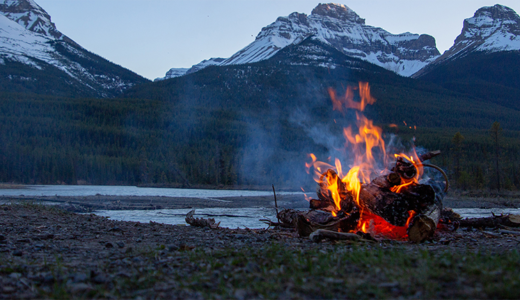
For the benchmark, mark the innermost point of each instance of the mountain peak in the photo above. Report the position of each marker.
(337, 11)
(496, 11)
(31, 16)
(491, 29)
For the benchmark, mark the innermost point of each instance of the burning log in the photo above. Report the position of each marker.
(307, 223)
(395, 207)
(396, 203)
(410, 208)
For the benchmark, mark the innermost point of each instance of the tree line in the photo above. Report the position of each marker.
(52, 140)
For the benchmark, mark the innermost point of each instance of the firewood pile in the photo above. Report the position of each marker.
(385, 206)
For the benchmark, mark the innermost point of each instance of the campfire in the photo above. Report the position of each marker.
(387, 198)
(383, 195)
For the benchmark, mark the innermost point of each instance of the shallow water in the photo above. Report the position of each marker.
(93, 190)
(247, 217)
(228, 217)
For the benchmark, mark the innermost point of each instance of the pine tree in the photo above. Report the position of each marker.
(495, 133)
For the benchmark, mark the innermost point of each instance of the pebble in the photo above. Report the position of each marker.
(100, 278)
(172, 248)
(8, 290)
(15, 275)
(23, 240)
(109, 245)
(17, 253)
(48, 279)
(76, 288)
(2, 237)
(80, 277)
(120, 244)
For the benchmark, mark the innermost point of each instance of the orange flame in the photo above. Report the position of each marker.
(366, 144)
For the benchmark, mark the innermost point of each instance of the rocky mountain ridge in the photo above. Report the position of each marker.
(491, 29)
(31, 46)
(339, 26)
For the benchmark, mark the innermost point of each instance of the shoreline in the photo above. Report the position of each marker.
(295, 201)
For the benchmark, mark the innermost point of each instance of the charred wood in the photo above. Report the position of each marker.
(395, 207)
(429, 155)
(313, 220)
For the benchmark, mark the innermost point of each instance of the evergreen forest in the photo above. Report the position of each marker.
(247, 126)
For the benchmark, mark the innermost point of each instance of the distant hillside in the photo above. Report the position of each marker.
(37, 58)
(489, 77)
(297, 79)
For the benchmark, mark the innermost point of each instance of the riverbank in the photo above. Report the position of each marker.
(85, 204)
(47, 252)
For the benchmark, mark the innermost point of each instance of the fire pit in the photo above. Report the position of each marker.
(393, 201)
(382, 196)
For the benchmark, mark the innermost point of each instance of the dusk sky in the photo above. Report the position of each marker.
(151, 36)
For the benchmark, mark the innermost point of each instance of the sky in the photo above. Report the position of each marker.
(151, 36)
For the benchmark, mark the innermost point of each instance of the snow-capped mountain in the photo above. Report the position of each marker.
(339, 26)
(176, 72)
(484, 61)
(491, 29)
(28, 37)
(30, 16)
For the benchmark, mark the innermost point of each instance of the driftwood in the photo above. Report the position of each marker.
(321, 234)
(492, 222)
(201, 222)
(513, 232)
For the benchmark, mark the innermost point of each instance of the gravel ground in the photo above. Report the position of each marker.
(51, 252)
(48, 252)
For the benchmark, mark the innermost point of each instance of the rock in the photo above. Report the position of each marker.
(8, 289)
(2, 237)
(15, 275)
(76, 288)
(172, 248)
(109, 245)
(48, 279)
(17, 253)
(99, 279)
(23, 240)
(252, 267)
(240, 294)
(80, 277)
(120, 244)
